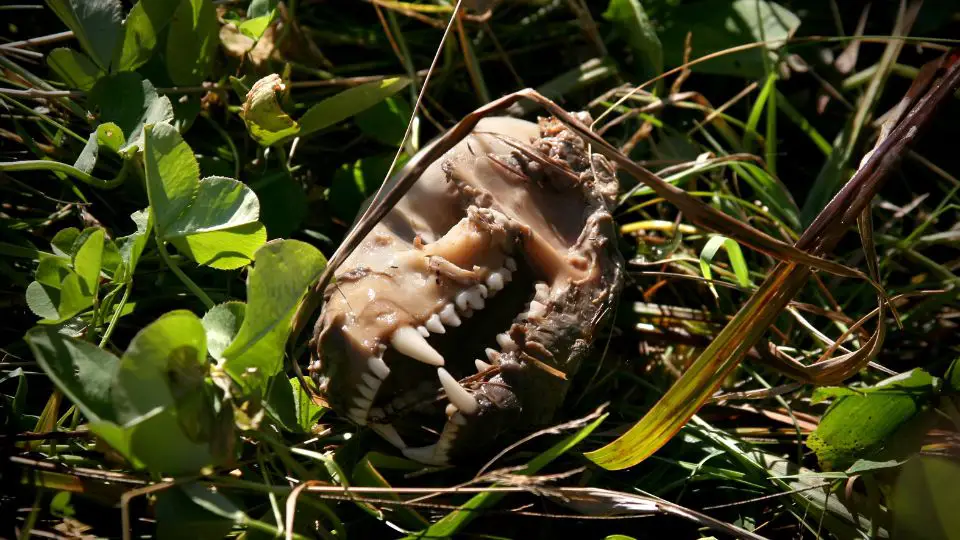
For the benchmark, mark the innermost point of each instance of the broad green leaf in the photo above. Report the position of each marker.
(172, 174)
(178, 517)
(43, 300)
(130, 103)
(721, 24)
(192, 42)
(308, 411)
(225, 249)
(222, 324)
(95, 24)
(87, 159)
(64, 243)
(924, 502)
(145, 21)
(66, 285)
(256, 26)
(265, 119)
(279, 402)
(634, 26)
(348, 103)
(258, 8)
(282, 272)
(709, 252)
(88, 257)
(110, 135)
(456, 520)
(386, 121)
(131, 246)
(80, 369)
(74, 68)
(877, 425)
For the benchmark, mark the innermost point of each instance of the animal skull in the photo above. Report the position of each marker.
(461, 316)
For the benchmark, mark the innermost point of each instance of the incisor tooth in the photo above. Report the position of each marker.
(505, 342)
(389, 433)
(511, 264)
(409, 342)
(449, 316)
(481, 365)
(456, 393)
(434, 325)
(378, 367)
(423, 331)
(495, 281)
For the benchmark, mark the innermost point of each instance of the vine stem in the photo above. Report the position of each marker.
(194, 288)
(70, 170)
(116, 315)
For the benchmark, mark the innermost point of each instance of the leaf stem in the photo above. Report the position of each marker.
(194, 288)
(116, 315)
(70, 170)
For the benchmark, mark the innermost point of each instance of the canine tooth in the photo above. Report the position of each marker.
(475, 297)
(492, 355)
(371, 381)
(378, 367)
(511, 264)
(389, 433)
(495, 281)
(461, 300)
(425, 454)
(366, 391)
(505, 342)
(481, 365)
(456, 393)
(537, 309)
(363, 403)
(450, 409)
(434, 325)
(358, 415)
(410, 343)
(449, 316)
(423, 331)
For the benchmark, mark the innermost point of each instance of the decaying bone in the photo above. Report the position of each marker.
(462, 314)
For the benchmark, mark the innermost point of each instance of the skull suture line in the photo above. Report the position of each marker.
(462, 315)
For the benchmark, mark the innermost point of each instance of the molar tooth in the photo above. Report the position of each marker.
(389, 433)
(492, 355)
(434, 325)
(511, 264)
(475, 297)
(505, 342)
(425, 454)
(481, 365)
(495, 281)
(366, 391)
(461, 300)
(456, 393)
(449, 316)
(410, 343)
(423, 331)
(378, 367)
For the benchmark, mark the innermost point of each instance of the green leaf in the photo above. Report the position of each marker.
(81, 370)
(734, 253)
(353, 184)
(178, 517)
(130, 102)
(172, 174)
(265, 119)
(632, 23)
(145, 21)
(192, 42)
(256, 26)
(720, 24)
(131, 246)
(348, 103)
(110, 135)
(877, 425)
(222, 324)
(386, 121)
(95, 24)
(924, 502)
(88, 258)
(87, 159)
(74, 68)
(258, 8)
(282, 272)
(308, 411)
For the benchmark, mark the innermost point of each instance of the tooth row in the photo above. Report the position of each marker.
(410, 342)
(506, 343)
(498, 279)
(471, 298)
(435, 325)
(456, 394)
(448, 315)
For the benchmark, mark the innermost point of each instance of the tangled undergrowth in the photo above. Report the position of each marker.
(174, 173)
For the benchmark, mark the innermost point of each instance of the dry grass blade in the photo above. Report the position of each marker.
(758, 313)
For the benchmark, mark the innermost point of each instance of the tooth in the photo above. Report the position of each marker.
(363, 403)
(389, 433)
(366, 391)
(378, 367)
(511, 264)
(492, 355)
(542, 289)
(475, 297)
(425, 454)
(423, 331)
(456, 393)
(434, 325)
(459, 419)
(495, 281)
(449, 316)
(358, 415)
(410, 343)
(461, 300)
(451, 409)
(537, 309)
(482, 289)
(467, 313)
(481, 365)
(371, 381)
(506, 343)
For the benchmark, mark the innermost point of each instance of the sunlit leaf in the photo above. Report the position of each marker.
(192, 41)
(74, 68)
(265, 119)
(348, 103)
(95, 24)
(140, 29)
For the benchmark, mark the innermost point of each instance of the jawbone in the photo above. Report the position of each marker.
(463, 314)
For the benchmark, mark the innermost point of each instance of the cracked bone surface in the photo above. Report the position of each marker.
(504, 249)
